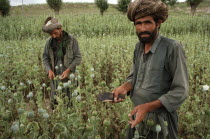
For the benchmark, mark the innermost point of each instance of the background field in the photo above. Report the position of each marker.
(107, 45)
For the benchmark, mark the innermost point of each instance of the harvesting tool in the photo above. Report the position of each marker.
(108, 97)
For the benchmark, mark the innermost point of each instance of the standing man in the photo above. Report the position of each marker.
(158, 80)
(61, 54)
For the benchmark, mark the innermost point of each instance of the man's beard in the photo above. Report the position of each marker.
(151, 37)
(60, 36)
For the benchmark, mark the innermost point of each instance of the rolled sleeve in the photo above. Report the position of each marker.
(180, 83)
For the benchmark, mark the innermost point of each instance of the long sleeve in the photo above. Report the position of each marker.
(76, 55)
(130, 76)
(46, 57)
(180, 83)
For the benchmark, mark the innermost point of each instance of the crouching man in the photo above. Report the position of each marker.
(61, 54)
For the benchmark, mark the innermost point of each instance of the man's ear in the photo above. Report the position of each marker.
(159, 23)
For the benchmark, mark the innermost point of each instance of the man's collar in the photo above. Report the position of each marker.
(65, 35)
(155, 44)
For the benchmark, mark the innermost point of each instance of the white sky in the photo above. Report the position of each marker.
(19, 2)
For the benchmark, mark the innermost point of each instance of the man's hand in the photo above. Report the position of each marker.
(51, 74)
(140, 111)
(123, 89)
(65, 74)
(117, 91)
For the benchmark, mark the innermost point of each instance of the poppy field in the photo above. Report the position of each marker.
(106, 44)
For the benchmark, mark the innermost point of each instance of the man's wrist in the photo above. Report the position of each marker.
(153, 105)
(127, 86)
(49, 71)
(68, 69)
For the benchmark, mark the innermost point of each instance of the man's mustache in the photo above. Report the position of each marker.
(145, 32)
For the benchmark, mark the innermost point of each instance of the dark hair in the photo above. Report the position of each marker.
(48, 19)
(155, 18)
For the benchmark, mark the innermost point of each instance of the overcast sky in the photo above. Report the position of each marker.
(19, 2)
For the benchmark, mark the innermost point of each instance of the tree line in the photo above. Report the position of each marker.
(103, 5)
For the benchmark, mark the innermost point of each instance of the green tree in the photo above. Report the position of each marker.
(123, 5)
(4, 7)
(165, 1)
(102, 5)
(55, 5)
(170, 2)
(193, 4)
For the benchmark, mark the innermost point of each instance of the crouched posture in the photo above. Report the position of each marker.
(61, 53)
(158, 80)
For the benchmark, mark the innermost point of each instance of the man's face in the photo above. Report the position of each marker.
(146, 29)
(56, 34)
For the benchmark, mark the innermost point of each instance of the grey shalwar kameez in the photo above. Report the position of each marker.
(161, 74)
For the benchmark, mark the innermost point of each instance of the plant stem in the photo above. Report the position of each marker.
(105, 132)
(44, 95)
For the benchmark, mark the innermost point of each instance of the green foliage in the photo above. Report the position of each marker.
(4, 7)
(123, 5)
(165, 1)
(170, 2)
(95, 25)
(55, 5)
(102, 5)
(193, 4)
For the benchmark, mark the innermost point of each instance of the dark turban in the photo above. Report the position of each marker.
(142, 8)
(51, 24)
